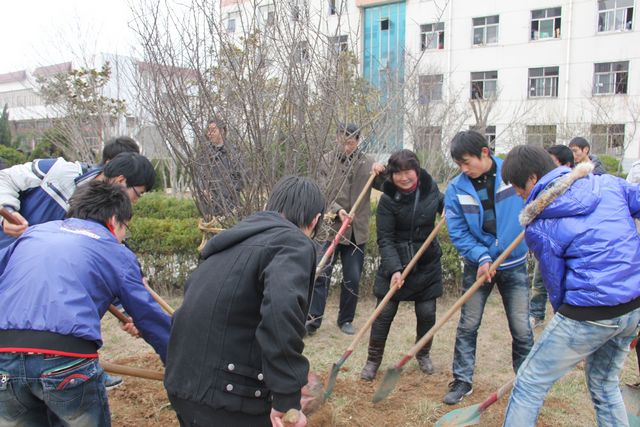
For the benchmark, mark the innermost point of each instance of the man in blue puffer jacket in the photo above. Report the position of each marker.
(589, 254)
(482, 218)
(57, 281)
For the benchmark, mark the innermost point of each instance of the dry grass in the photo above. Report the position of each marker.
(417, 398)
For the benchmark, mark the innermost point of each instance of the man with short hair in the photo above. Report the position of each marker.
(346, 170)
(117, 145)
(57, 281)
(582, 153)
(219, 171)
(39, 191)
(589, 255)
(561, 155)
(482, 219)
(235, 353)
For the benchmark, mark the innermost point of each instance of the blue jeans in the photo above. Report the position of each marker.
(38, 390)
(565, 342)
(538, 303)
(352, 259)
(513, 285)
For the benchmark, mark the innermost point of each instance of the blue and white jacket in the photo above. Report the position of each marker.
(61, 276)
(586, 240)
(465, 216)
(40, 190)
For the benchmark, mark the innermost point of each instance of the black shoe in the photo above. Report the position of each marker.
(457, 391)
(347, 328)
(311, 330)
(426, 365)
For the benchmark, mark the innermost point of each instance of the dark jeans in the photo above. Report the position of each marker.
(425, 319)
(538, 303)
(38, 390)
(192, 414)
(352, 259)
(513, 285)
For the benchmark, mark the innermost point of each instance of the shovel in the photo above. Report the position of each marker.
(335, 369)
(343, 228)
(132, 372)
(470, 416)
(393, 374)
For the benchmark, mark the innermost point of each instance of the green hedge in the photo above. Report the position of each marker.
(161, 206)
(12, 156)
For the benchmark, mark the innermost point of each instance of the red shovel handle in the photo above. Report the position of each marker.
(9, 217)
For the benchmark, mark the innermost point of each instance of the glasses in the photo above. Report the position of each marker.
(136, 192)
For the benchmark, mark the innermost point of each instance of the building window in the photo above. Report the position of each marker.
(339, 44)
(610, 78)
(428, 138)
(333, 7)
(132, 122)
(232, 19)
(302, 52)
(384, 24)
(489, 135)
(432, 36)
(545, 23)
(429, 88)
(267, 16)
(485, 30)
(484, 85)
(543, 136)
(607, 139)
(543, 82)
(615, 15)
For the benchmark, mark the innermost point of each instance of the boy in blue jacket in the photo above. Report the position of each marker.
(482, 218)
(589, 255)
(57, 281)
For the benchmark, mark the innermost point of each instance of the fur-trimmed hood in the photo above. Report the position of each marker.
(545, 201)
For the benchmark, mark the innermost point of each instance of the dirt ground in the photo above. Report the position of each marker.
(416, 401)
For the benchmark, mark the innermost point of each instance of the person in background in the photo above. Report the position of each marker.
(582, 153)
(347, 170)
(57, 280)
(235, 352)
(589, 254)
(561, 156)
(405, 217)
(482, 219)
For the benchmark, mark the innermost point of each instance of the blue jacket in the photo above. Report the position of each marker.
(465, 216)
(61, 277)
(40, 190)
(586, 240)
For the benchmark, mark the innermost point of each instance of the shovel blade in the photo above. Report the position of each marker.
(631, 397)
(331, 382)
(387, 385)
(460, 417)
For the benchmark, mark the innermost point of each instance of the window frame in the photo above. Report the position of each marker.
(430, 88)
(556, 21)
(619, 82)
(434, 33)
(548, 80)
(485, 26)
(614, 138)
(544, 140)
(627, 21)
(482, 83)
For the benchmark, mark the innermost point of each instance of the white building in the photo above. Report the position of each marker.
(547, 70)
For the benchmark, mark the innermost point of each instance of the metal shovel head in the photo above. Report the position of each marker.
(331, 382)
(631, 397)
(461, 417)
(387, 385)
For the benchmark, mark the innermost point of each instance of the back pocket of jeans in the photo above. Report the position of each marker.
(66, 383)
(10, 407)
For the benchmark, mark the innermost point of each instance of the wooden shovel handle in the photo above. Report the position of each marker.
(132, 372)
(165, 306)
(118, 314)
(456, 306)
(392, 290)
(9, 217)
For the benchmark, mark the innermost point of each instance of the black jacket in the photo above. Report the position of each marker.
(398, 242)
(236, 341)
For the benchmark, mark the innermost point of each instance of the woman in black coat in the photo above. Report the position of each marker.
(405, 217)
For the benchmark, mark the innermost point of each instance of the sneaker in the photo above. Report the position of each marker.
(535, 322)
(457, 391)
(347, 328)
(112, 381)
